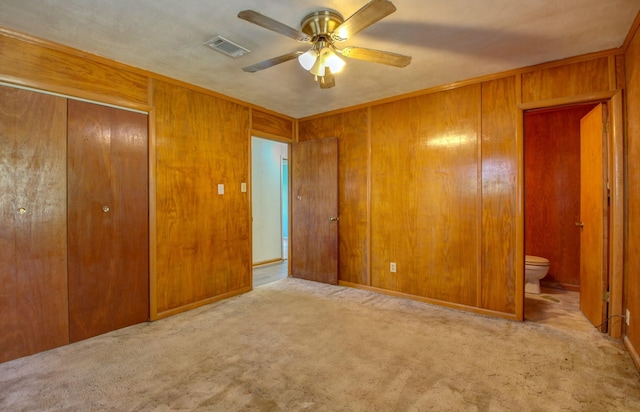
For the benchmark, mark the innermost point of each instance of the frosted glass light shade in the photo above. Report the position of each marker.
(307, 59)
(334, 62)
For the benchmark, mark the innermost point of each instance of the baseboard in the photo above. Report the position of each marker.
(190, 306)
(268, 262)
(632, 351)
(561, 286)
(473, 309)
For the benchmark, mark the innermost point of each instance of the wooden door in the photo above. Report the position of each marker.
(593, 217)
(108, 219)
(314, 210)
(33, 246)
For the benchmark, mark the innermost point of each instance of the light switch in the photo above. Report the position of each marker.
(243, 187)
(220, 189)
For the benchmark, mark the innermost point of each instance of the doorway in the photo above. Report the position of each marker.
(555, 189)
(270, 210)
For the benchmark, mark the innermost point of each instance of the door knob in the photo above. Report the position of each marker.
(105, 209)
(333, 218)
(22, 210)
(579, 224)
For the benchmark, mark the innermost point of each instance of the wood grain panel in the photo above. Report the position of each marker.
(425, 195)
(567, 80)
(321, 127)
(314, 202)
(353, 172)
(632, 255)
(204, 248)
(54, 70)
(108, 228)
(33, 247)
(499, 195)
(552, 190)
(271, 123)
(351, 128)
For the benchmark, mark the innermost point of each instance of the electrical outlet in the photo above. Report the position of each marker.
(392, 267)
(627, 318)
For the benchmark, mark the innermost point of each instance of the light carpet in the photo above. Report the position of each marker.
(298, 345)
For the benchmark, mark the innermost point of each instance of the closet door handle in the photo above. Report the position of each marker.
(105, 209)
(22, 210)
(579, 224)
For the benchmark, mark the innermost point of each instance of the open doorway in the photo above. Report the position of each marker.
(554, 186)
(270, 210)
(552, 206)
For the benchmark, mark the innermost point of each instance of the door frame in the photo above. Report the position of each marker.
(616, 155)
(280, 139)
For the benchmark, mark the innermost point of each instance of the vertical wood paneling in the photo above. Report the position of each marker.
(425, 193)
(552, 190)
(58, 71)
(204, 248)
(567, 80)
(108, 227)
(321, 127)
(499, 194)
(33, 246)
(272, 124)
(632, 279)
(351, 129)
(353, 151)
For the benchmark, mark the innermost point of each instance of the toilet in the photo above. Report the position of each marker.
(535, 268)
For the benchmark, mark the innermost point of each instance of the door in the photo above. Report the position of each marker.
(108, 219)
(33, 244)
(314, 210)
(593, 217)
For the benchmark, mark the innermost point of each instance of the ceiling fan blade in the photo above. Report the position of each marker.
(370, 13)
(328, 80)
(272, 62)
(268, 23)
(376, 56)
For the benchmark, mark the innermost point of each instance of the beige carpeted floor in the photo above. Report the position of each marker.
(297, 345)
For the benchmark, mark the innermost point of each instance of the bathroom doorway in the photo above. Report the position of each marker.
(270, 210)
(552, 208)
(552, 216)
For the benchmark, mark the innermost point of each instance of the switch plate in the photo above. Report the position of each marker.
(243, 187)
(220, 189)
(392, 267)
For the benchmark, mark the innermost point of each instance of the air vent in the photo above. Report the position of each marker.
(227, 47)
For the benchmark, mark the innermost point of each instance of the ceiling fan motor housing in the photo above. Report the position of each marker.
(321, 23)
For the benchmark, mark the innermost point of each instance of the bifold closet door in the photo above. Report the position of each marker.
(108, 232)
(33, 220)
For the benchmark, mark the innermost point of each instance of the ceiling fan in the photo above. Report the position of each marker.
(322, 29)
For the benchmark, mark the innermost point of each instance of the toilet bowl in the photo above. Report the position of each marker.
(535, 268)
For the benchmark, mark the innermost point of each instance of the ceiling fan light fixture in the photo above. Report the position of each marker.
(333, 61)
(307, 59)
(318, 67)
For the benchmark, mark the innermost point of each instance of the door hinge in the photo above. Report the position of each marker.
(605, 296)
(605, 127)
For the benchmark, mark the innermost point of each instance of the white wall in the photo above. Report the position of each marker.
(266, 157)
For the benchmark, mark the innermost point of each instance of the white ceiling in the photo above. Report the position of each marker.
(449, 40)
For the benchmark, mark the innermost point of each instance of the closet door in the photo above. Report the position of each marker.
(33, 265)
(108, 219)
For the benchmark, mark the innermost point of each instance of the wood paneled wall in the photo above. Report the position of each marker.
(500, 155)
(353, 163)
(203, 247)
(632, 255)
(402, 197)
(439, 179)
